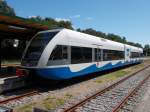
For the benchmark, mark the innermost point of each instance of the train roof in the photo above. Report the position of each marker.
(79, 37)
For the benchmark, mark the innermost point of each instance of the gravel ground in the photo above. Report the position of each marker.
(144, 102)
(73, 92)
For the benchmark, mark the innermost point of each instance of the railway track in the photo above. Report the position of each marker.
(7, 75)
(130, 102)
(7, 100)
(114, 97)
(10, 65)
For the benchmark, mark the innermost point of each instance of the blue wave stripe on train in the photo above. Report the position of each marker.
(65, 73)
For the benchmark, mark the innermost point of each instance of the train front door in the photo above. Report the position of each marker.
(98, 56)
(127, 54)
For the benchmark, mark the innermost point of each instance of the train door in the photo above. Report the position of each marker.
(127, 54)
(98, 56)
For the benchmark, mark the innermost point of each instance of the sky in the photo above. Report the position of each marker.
(128, 18)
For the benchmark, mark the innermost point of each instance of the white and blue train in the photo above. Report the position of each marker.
(63, 54)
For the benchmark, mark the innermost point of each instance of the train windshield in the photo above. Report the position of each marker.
(36, 47)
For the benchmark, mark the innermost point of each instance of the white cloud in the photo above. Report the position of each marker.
(32, 16)
(62, 19)
(75, 16)
(36, 17)
(89, 18)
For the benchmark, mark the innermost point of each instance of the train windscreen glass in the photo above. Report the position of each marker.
(36, 47)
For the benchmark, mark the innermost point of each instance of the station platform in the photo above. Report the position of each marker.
(12, 82)
(8, 69)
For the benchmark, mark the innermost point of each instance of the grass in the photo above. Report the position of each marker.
(112, 76)
(52, 102)
(26, 108)
(68, 95)
(120, 73)
(49, 98)
(99, 81)
(48, 104)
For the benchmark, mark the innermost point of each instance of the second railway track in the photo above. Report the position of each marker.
(7, 100)
(112, 98)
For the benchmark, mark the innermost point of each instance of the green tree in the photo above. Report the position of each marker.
(93, 32)
(6, 9)
(124, 40)
(146, 50)
(65, 24)
(135, 44)
(52, 23)
(114, 38)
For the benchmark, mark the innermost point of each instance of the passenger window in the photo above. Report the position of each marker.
(112, 55)
(59, 56)
(135, 55)
(60, 52)
(81, 55)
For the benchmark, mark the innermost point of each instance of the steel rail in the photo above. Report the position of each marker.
(120, 105)
(18, 97)
(10, 65)
(73, 108)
